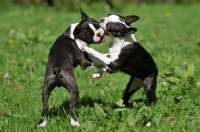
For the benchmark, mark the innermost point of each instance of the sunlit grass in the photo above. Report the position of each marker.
(170, 34)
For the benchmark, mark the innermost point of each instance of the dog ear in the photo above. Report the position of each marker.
(128, 31)
(83, 15)
(131, 19)
(124, 32)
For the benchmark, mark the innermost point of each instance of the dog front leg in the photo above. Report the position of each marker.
(97, 55)
(84, 62)
(114, 66)
(101, 70)
(100, 65)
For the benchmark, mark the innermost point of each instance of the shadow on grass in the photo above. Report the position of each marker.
(62, 110)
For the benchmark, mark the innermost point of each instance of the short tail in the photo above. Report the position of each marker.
(56, 70)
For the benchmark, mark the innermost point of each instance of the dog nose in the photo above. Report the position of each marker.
(102, 20)
(98, 34)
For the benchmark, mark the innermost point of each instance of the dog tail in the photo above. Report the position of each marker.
(56, 70)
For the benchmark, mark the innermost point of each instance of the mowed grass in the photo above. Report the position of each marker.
(168, 32)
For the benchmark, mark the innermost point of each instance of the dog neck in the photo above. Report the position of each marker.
(70, 30)
(69, 33)
(123, 41)
(80, 43)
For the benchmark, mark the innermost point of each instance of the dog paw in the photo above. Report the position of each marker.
(42, 123)
(96, 75)
(74, 123)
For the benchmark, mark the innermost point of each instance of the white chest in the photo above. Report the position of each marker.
(114, 51)
(117, 44)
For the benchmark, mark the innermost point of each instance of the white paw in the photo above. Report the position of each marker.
(43, 124)
(96, 75)
(74, 123)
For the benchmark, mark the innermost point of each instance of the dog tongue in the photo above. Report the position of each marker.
(103, 38)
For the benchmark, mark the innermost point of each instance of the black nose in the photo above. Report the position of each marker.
(98, 34)
(102, 20)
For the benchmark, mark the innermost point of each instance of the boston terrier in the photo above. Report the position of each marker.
(66, 54)
(128, 56)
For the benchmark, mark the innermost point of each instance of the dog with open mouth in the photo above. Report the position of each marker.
(66, 54)
(128, 56)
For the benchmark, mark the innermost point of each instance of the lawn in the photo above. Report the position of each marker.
(168, 32)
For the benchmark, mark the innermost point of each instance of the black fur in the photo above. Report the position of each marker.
(64, 56)
(133, 59)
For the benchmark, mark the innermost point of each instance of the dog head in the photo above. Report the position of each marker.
(89, 30)
(118, 26)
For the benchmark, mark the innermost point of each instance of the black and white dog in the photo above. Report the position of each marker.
(128, 56)
(66, 54)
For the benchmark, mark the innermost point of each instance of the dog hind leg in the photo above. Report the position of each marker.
(69, 82)
(133, 85)
(49, 85)
(150, 87)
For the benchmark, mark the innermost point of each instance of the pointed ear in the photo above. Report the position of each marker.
(128, 31)
(83, 15)
(131, 19)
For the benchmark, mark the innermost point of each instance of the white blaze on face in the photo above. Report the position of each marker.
(116, 19)
(98, 33)
(113, 19)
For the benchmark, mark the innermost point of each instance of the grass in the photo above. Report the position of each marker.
(170, 34)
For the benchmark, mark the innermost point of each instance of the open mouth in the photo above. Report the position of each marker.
(103, 39)
(101, 36)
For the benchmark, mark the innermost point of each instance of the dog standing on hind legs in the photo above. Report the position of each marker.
(128, 56)
(64, 56)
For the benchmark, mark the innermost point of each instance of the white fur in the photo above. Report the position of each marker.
(116, 44)
(80, 43)
(72, 27)
(115, 48)
(96, 75)
(74, 123)
(98, 55)
(114, 18)
(43, 124)
(100, 31)
(133, 37)
(92, 27)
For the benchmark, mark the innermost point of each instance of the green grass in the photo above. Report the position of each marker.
(169, 32)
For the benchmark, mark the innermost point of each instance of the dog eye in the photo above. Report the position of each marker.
(87, 34)
(108, 26)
